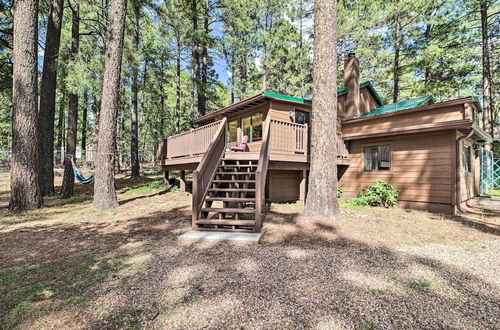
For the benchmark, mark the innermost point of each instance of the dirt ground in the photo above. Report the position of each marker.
(68, 265)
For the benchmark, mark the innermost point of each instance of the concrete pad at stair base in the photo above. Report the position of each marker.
(222, 236)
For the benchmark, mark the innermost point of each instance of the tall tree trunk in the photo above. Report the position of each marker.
(25, 192)
(134, 126)
(104, 186)
(97, 116)
(487, 111)
(47, 109)
(397, 46)
(71, 132)
(60, 119)
(84, 122)
(322, 193)
(202, 97)
(195, 57)
(178, 89)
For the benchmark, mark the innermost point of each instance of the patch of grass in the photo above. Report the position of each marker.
(420, 285)
(495, 193)
(77, 199)
(149, 188)
(67, 280)
(29, 215)
(348, 205)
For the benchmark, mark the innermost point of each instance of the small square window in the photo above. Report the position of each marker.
(377, 158)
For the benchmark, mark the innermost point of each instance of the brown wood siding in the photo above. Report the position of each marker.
(367, 101)
(421, 168)
(283, 185)
(279, 110)
(404, 119)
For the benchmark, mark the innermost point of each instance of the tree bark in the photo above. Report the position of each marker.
(178, 89)
(60, 119)
(487, 111)
(202, 97)
(322, 195)
(84, 122)
(195, 57)
(104, 186)
(25, 191)
(48, 97)
(71, 132)
(134, 126)
(397, 46)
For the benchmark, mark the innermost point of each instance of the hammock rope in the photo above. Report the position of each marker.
(79, 176)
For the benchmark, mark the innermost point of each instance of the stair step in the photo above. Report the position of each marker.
(227, 173)
(237, 166)
(230, 199)
(227, 210)
(226, 222)
(232, 189)
(234, 181)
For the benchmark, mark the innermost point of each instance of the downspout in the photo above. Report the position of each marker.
(458, 170)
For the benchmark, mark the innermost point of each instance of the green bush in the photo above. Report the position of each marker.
(380, 194)
(340, 191)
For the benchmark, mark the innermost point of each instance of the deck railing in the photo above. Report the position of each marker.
(289, 137)
(284, 137)
(204, 173)
(191, 143)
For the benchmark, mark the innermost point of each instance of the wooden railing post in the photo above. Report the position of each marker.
(261, 175)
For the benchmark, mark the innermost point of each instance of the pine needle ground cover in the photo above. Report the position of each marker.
(67, 265)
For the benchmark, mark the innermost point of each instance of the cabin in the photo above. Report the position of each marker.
(426, 150)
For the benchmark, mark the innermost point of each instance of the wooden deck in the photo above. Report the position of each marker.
(288, 143)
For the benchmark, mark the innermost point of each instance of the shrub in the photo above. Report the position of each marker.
(380, 194)
(340, 191)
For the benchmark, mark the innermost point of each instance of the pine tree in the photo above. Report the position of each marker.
(322, 194)
(25, 191)
(104, 187)
(48, 96)
(71, 132)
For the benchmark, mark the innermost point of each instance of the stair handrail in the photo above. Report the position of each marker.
(261, 175)
(205, 172)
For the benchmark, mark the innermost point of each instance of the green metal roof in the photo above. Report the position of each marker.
(286, 98)
(307, 101)
(399, 106)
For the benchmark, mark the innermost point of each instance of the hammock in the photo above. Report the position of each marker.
(79, 176)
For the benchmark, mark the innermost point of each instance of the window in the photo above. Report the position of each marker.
(377, 158)
(301, 117)
(467, 159)
(233, 131)
(252, 127)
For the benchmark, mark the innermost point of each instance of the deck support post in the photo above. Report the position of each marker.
(182, 181)
(302, 187)
(166, 180)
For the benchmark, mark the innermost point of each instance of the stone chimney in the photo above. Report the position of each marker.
(351, 81)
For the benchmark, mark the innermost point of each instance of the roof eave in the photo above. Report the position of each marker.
(421, 108)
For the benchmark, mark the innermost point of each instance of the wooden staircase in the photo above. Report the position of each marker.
(229, 187)
(230, 202)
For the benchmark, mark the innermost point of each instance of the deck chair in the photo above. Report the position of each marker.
(243, 145)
